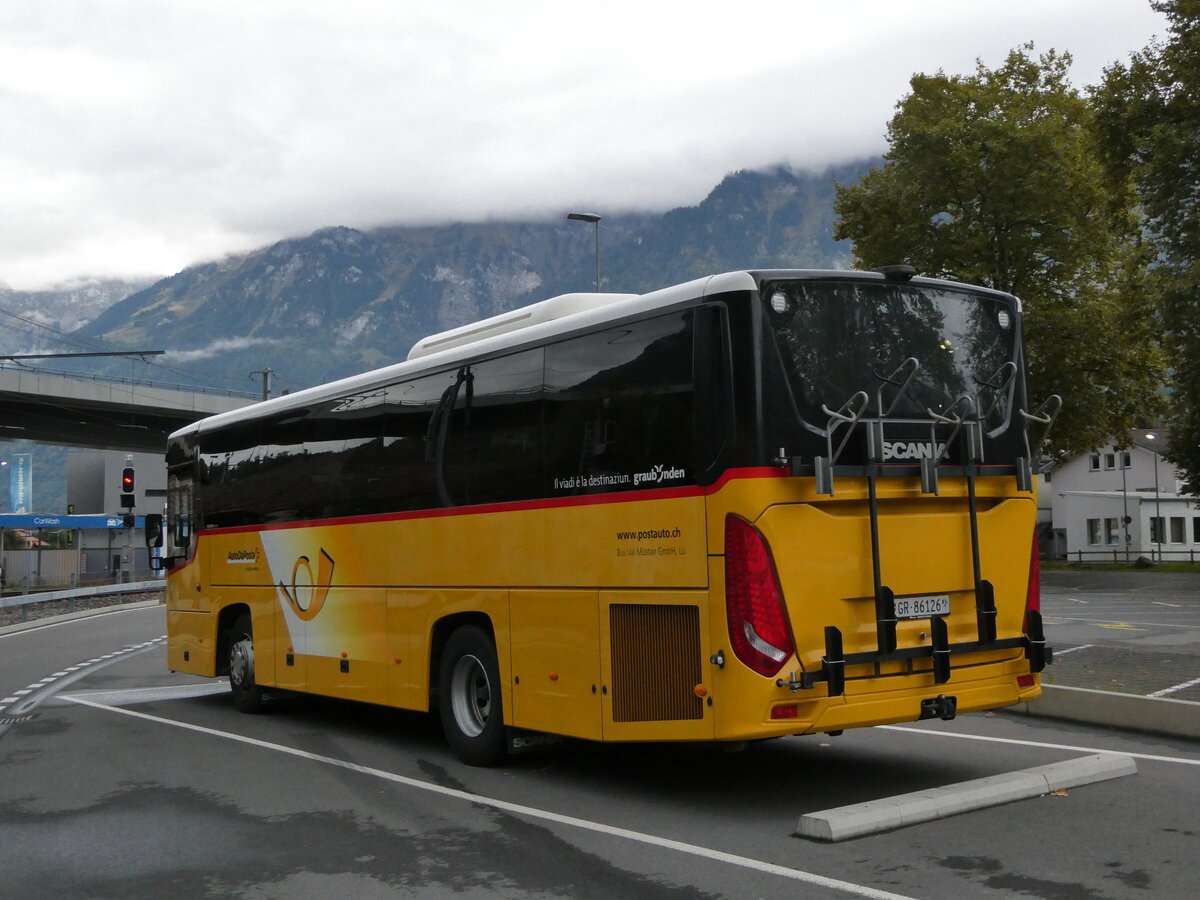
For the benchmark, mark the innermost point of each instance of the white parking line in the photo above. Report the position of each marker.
(1179, 760)
(1058, 652)
(127, 696)
(1061, 619)
(1179, 687)
(744, 862)
(1161, 603)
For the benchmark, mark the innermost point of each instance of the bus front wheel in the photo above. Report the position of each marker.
(246, 692)
(469, 697)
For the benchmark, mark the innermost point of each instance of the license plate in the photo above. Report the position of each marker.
(922, 607)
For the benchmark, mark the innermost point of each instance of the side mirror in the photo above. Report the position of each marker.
(153, 525)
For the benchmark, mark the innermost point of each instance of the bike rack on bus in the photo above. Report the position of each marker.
(1044, 415)
(848, 413)
(960, 418)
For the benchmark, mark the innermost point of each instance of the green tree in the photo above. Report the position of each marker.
(995, 179)
(1149, 115)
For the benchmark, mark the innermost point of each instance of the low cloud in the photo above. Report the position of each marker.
(216, 348)
(126, 149)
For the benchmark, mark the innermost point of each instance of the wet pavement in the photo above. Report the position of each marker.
(1126, 632)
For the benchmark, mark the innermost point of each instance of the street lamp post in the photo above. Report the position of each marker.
(1158, 520)
(1124, 505)
(595, 220)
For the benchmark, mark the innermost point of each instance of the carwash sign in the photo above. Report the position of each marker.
(17, 520)
(20, 488)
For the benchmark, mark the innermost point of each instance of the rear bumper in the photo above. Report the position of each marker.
(890, 700)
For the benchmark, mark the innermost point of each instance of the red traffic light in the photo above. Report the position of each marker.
(127, 480)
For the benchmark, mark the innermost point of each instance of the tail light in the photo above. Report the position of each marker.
(1033, 596)
(758, 624)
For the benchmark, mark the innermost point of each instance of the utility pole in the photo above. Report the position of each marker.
(265, 374)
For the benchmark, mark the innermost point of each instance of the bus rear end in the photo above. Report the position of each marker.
(878, 558)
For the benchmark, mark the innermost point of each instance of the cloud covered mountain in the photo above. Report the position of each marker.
(34, 321)
(341, 301)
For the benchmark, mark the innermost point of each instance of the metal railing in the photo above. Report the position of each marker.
(1121, 554)
(135, 382)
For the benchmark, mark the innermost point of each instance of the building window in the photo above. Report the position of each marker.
(1126, 460)
(1093, 531)
(1156, 529)
(1112, 531)
(1094, 463)
(1110, 460)
(1196, 529)
(1178, 535)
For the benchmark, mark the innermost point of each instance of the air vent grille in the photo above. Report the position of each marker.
(655, 662)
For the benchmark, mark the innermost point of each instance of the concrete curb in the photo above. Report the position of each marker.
(80, 614)
(1156, 715)
(935, 803)
(99, 590)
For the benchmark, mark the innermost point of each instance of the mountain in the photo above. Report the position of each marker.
(341, 301)
(32, 321)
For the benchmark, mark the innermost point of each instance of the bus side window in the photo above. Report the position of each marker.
(713, 425)
(495, 442)
(407, 478)
(343, 439)
(619, 408)
(179, 512)
(229, 469)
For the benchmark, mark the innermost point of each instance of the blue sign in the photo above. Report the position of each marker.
(20, 488)
(15, 520)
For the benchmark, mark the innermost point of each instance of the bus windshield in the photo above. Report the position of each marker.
(838, 337)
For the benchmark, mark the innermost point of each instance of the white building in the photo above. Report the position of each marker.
(1123, 502)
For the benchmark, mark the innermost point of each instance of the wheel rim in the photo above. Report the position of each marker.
(241, 663)
(470, 695)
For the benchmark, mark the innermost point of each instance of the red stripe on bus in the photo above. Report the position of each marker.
(521, 505)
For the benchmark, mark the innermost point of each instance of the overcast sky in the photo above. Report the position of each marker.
(141, 136)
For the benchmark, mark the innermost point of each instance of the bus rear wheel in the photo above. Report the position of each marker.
(246, 692)
(469, 698)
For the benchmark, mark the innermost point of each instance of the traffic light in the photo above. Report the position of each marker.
(127, 496)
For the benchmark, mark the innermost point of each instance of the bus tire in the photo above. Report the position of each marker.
(469, 697)
(247, 694)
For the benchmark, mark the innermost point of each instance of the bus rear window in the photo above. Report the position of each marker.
(835, 338)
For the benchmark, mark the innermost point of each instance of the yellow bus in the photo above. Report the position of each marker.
(758, 504)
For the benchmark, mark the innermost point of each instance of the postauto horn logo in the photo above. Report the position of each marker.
(307, 595)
